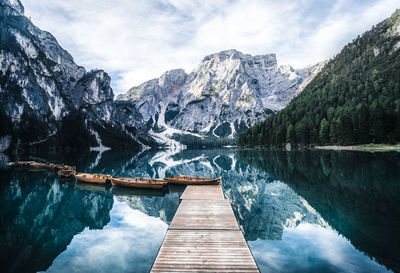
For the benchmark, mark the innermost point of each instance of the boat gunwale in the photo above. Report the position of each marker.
(93, 178)
(159, 185)
(192, 178)
(138, 180)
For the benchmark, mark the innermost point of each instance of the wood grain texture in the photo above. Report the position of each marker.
(203, 192)
(204, 214)
(204, 236)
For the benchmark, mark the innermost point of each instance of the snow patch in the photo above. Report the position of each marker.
(26, 44)
(95, 88)
(233, 131)
(17, 113)
(56, 106)
(101, 148)
(96, 161)
(165, 138)
(144, 147)
(167, 162)
(27, 99)
(43, 139)
(396, 46)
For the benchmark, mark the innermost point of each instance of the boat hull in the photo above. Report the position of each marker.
(138, 184)
(36, 166)
(87, 178)
(66, 173)
(182, 180)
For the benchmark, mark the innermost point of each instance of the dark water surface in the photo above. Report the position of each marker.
(302, 211)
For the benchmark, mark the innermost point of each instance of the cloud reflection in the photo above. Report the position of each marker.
(311, 248)
(129, 243)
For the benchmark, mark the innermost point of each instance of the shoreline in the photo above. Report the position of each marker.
(361, 147)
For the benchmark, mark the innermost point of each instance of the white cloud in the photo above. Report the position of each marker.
(135, 41)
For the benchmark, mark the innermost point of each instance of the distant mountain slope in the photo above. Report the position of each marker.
(354, 99)
(47, 99)
(227, 92)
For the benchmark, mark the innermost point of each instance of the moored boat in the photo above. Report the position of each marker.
(192, 180)
(66, 172)
(32, 165)
(93, 178)
(136, 182)
(21, 164)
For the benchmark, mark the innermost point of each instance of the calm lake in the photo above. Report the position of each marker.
(301, 211)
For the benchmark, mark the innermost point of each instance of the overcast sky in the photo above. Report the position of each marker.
(135, 41)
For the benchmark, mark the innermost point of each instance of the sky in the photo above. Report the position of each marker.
(135, 41)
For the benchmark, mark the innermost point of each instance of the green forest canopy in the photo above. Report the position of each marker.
(355, 99)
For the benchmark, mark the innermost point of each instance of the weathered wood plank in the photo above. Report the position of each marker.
(204, 214)
(219, 250)
(204, 236)
(203, 192)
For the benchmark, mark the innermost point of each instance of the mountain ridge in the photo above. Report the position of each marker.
(227, 92)
(355, 99)
(50, 101)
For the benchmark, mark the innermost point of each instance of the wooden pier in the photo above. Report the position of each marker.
(204, 236)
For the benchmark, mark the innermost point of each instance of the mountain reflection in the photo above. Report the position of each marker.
(151, 202)
(39, 217)
(274, 195)
(358, 194)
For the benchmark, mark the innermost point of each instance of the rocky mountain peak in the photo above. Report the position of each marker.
(172, 77)
(50, 100)
(14, 4)
(233, 55)
(227, 92)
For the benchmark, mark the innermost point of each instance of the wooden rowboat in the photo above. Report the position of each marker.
(93, 178)
(21, 164)
(32, 165)
(191, 180)
(136, 182)
(66, 173)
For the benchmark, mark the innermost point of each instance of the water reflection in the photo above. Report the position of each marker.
(358, 194)
(311, 248)
(156, 203)
(42, 216)
(129, 243)
(300, 211)
(39, 217)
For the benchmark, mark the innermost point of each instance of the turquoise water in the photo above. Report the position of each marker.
(308, 211)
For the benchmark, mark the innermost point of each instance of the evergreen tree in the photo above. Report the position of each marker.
(324, 132)
(355, 98)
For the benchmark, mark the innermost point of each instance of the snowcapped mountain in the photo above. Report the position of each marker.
(47, 99)
(227, 92)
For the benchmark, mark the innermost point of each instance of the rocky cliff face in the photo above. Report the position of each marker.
(227, 92)
(47, 98)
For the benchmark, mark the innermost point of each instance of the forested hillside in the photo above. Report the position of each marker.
(354, 99)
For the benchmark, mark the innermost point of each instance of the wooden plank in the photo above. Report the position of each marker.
(203, 214)
(204, 250)
(204, 236)
(203, 192)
